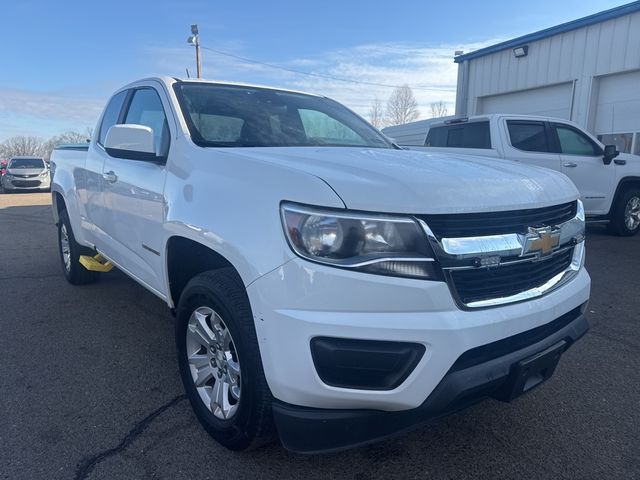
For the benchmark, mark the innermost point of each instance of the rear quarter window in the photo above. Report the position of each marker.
(467, 135)
(528, 136)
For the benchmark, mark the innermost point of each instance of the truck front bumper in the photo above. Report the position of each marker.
(312, 430)
(300, 302)
(19, 184)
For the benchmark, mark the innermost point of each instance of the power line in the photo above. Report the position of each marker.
(320, 75)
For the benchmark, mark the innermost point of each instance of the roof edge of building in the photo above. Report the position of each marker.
(548, 32)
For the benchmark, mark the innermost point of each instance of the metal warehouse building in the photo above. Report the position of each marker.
(587, 70)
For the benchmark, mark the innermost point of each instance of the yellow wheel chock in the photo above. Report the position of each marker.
(96, 263)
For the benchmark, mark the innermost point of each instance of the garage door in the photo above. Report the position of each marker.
(554, 101)
(618, 105)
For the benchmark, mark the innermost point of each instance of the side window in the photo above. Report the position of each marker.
(528, 136)
(111, 115)
(574, 142)
(146, 109)
(320, 126)
(467, 135)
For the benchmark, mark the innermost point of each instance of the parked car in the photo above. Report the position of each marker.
(328, 287)
(3, 169)
(26, 173)
(608, 181)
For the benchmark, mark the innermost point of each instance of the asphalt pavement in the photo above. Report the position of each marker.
(89, 386)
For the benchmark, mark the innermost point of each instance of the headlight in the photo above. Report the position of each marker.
(580, 211)
(378, 244)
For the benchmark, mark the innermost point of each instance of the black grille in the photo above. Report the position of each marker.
(26, 183)
(497, 223)
(503, 281)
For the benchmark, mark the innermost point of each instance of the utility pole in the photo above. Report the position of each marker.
(194, 40)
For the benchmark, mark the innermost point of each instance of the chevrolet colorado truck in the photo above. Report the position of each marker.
(329, 288)
(608, 181)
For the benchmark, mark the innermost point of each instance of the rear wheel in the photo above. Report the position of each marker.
(625, 219)
(220, 363)
(70, 252)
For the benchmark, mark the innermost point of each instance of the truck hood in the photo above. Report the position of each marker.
(402, 181)
(25, 171)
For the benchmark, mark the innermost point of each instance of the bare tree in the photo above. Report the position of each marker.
(22, 145)
(402, 106)
(376, 113)
(66, 137)
(439, 109)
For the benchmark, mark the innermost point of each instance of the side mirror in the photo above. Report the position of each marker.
(610, 152)
(133, 142)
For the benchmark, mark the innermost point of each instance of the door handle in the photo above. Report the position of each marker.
(570, 164)
(110, 176)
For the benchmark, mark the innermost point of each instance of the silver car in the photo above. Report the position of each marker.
(26, 173)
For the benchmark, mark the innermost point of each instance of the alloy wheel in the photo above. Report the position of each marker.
(213, 362)
(632, 213)
(64, 246)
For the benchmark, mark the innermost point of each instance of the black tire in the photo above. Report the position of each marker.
(75, 273)
(618, 225)
(252, 424)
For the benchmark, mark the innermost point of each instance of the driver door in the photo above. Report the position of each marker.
(582, 161)
(134, 195)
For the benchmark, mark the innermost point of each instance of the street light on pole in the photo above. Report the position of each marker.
(194, 40)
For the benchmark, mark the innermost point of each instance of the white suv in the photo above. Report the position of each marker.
(328, 287)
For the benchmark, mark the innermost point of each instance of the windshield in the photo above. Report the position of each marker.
(234, 116)
(26, 163)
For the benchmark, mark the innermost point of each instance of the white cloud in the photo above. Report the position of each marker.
(430, 71)
(25, 112)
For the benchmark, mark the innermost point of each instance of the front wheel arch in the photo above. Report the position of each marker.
(620, 218)
(185, 259)
(623, 185)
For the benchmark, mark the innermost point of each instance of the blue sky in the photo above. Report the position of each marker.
(62, 59)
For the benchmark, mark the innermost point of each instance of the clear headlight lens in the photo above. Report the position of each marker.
(580, 211)
(378, 244)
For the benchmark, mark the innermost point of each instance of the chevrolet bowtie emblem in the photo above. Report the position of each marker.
(541, 240)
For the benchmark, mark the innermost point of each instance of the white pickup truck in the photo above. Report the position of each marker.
(328, 287)
(608, 181)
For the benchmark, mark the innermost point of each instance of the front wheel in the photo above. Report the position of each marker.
(625, 219)
(219, 360)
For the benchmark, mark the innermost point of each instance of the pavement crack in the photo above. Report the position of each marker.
(86, 466)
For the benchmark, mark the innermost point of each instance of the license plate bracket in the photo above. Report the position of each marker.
(531, 372)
